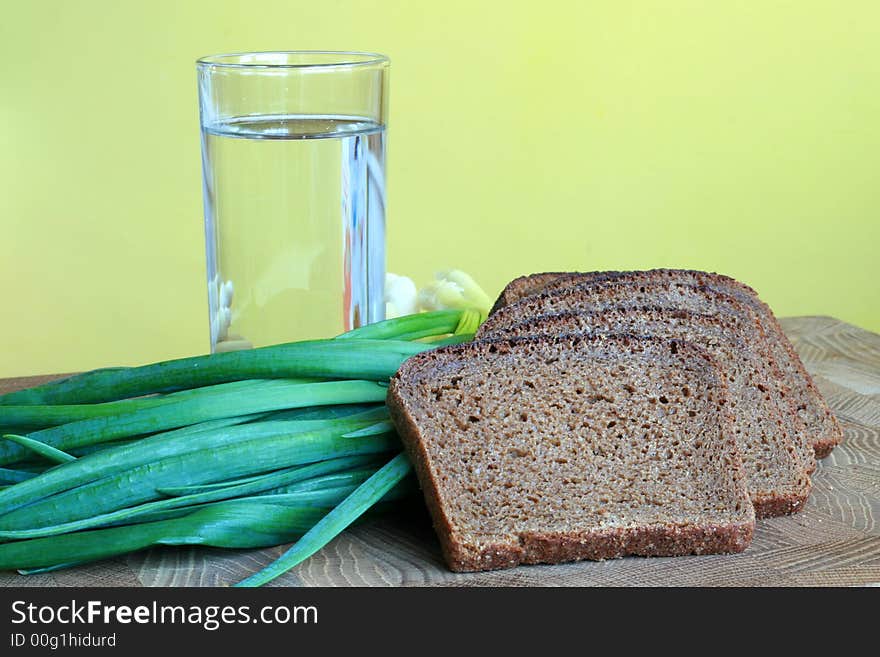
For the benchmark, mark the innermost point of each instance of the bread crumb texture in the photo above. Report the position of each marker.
(557, 448)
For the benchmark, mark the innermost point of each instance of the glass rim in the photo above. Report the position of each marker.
(347, 59)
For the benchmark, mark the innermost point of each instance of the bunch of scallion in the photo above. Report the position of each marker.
(243, 449)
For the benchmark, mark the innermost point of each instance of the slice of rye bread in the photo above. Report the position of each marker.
(777, 466)
(708, 307)
(526, 286)
(544, 450)
(818, 417)
(661, 293)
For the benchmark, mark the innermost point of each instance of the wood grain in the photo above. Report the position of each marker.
(835, 541)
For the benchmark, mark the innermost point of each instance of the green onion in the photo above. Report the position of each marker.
(409, 327)
(452, 339)
(118, 460)
(42, 416)
(316, 476)
(322, 412)
(232, 525)
(325, 498)
(384, 426)
(49, 569)
(204, 466)
(278, 483)
(8, 476)
(44, 450)
(270, 395)
(194, 489)
(326, 529)
(374, 360)
(469, 322)
(241, 449)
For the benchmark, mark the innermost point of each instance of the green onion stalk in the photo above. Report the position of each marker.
(252, 448)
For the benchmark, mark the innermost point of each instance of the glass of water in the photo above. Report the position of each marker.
(293, 158)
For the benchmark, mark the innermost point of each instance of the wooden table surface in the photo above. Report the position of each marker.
(835, 541)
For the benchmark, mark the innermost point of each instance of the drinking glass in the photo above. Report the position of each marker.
(293, 160)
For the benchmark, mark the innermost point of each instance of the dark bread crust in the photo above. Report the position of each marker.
(531, 547)
(525, 286)
(410, 436)
(550, 548)
(826, 433)
(570, 296)
(778, 505)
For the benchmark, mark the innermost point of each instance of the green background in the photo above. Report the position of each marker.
(740, 137)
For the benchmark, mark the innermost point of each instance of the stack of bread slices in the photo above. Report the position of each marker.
(604, 414)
